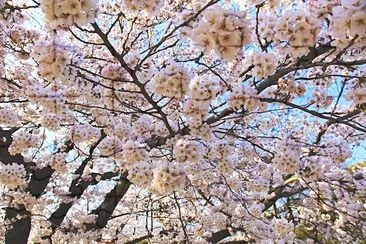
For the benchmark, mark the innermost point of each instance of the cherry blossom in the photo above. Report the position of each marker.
(196, 121)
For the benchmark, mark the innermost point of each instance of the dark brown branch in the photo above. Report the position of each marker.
(111, 200)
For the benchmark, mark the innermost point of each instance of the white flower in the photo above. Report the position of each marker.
(229, 38)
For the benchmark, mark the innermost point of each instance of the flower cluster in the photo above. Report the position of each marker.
(219, 151)
(222, 31)
(282, 227)
(12, 175)
(348, 20)
(22, 141)
(8, 116)
(113, 71)
(243, 96)
(51, 100)
(65, 13)
(321, 99)
(2, 53)
(264, 64)
(194, 168)
(287, 157)
(110, 146)
(357, 95)
(225, 166)
(53, 58)
(202, 90)
(57, 162)
(195, 109)
(133, 152)
(299, 29)
(168, 177)
(142, 127)
(171, 81)
(188, 150)
(200, 130)
(258, 184)
(149, 7)
(266, 26)
(119, 129)
(323, 8)
(313, 168)
(42, 228)
(51, 121)
(141, 174)
(256, 209)
(336, 148)
(84, 132)
(21, 35)
(289, 86)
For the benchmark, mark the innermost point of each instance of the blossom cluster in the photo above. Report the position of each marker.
(113, 71)
(264, 64)
(84, 133)
(20, 35)
(53, 59)
(225, 166)
(133, 152)
(149, 7)
(201, 130)
(187, 150)
(141, 174)
(65, 13)
(266, 26)
(172, 81)
(195, 110)
(168, 177)
(52, 100)
(51, 121)
(223, 31)
(336, 148)
(40, 228)
(110, 146)
(119, 129)
(202, 90)
(12, 175)
(314, 168)
(357, 95)
(219, 151)
(299, 29)
(142, 128)
(220, 154)
(57, 162)
(243, 96)
(289, 86)
(287, 157)
(348, 21)
(258, 184)
(282, 227)
(2, 54)
(22, 140)
(126, 152)
(8, 116)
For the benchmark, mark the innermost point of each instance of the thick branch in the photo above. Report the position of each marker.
(111, 200)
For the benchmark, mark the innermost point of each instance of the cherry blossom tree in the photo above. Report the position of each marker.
(182, 121)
